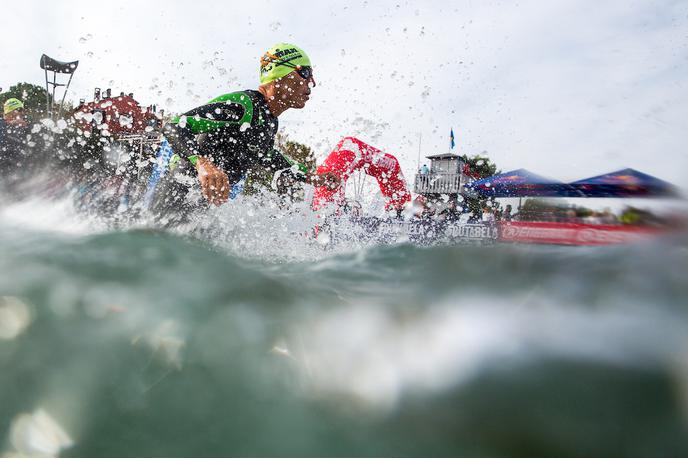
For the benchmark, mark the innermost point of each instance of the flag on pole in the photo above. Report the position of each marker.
(451, 138)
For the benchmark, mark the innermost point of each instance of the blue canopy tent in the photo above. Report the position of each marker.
(521, 183)
(625, 183)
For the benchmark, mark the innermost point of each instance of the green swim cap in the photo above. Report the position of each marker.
(280, 60)
(11, 105)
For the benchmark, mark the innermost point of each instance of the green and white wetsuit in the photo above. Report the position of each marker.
(237, 130)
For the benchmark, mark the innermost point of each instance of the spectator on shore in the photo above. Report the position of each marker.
(451, 213)
(570, 216)
(506, 214)
(488, 216)
(474, 217)
(593, 218)
(607, 217)
(424, 178)
(422, 208)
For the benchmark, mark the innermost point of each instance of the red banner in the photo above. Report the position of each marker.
(573, 234)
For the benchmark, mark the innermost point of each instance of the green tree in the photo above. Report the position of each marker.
(297, 151)
(259, 178)
(33, 96)
(483, 166)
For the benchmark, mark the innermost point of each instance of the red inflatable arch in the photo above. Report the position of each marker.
(350, 155)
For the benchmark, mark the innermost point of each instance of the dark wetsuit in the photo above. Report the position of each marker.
(236, 130)
(13, 153)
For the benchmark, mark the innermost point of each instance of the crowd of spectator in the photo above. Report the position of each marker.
(532, 212)
(562, 214)
(629, 215)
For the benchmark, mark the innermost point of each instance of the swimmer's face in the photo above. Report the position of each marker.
(16, 117)
(294, 90)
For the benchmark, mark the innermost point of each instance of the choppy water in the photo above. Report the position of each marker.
(229, 342)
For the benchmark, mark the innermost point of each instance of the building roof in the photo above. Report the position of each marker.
(443, 156)
(137, 119)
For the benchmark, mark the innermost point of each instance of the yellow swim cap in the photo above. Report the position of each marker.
(11, 105)
(280, 60)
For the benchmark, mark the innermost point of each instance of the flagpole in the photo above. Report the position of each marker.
(420, 139)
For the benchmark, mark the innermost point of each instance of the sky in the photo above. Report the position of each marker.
(567, 89)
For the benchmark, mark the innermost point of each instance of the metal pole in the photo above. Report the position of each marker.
(71, 75)
(52, 104)
(420, 139)
(47, 94)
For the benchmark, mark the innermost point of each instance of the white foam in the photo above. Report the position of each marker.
(15, 317)
(50, 215)
(38, 435)
(377, 355)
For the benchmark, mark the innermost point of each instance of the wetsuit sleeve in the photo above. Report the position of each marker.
(212, 117)
(181, 140)
(186, 131)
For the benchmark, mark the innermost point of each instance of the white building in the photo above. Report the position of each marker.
(445, 176)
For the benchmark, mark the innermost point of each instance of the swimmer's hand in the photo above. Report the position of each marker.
(214, 181)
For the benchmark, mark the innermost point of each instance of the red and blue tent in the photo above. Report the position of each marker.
(625, 183)
(521, 183)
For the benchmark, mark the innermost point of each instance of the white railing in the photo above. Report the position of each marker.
(438, 183)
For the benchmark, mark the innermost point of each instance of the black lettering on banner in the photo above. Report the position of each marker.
(472, 231)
